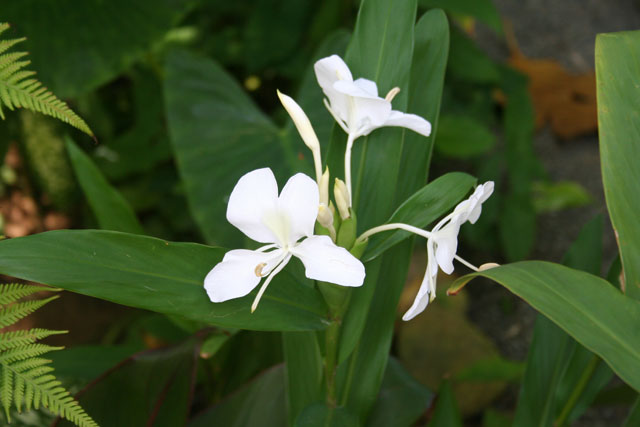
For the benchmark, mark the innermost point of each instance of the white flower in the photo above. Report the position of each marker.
(442, 245)
(286, 224)
(356, 105)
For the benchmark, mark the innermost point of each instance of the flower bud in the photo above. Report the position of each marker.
(323, 185)
(301, 121)
(325, 217)
(341, 194)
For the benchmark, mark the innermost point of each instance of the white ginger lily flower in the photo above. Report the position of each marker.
(286, 224)
(356, 105)
(442, 245)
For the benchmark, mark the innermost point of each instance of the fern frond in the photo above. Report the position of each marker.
(12, 313)
(26, 379)
(19, 91)
(12, 292)
(14, 339)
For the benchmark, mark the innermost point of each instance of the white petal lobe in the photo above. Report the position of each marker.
(236, 276)
(254, 196)
(409, 121)
(299, 201)
(325, 261)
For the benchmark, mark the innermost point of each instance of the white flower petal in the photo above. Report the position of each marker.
(479, 196)
(369, 86)
(299, 201)
(424, 293)
(325, 261)
(409, 121)
(236, 276)
(254, 196)
(361, 90)
(446, 245)
(331, 69)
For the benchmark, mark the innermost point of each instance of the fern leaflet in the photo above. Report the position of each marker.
(26, 379)
(18, 88)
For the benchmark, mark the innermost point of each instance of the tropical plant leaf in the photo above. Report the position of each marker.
(581, 304)
(19, 89)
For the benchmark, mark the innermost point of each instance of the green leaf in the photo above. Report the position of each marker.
(261, 402)
(484, 10)
(155, 275)
(617, 69)
(581, 304)
(463, 137)
(422, 208)
(154, 387)
(89, 42)
(321, 415)
(446, 413)
(218, 135)
(556, 196)
(83, 364)
(110, 208)
(492, 369)
(402, 399)
(303, 363)
(467, 62)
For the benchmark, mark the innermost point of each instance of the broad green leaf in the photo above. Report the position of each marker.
(112, 211)
(78, 45)
(462, 137)
(467, 62)
(581, 304)
(218, 135)
(82, 364)
(154, 387)
(304, 371)
(555, 196)
(422, 208)
(321, 415)
(557, 366)
(617, 70)
(428, 66)
(484, 10)
(446, 413)
(156, 275)
(492, 369)
(401, 401)
(261, 402)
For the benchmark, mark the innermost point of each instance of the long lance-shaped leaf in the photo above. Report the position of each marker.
(587, 307)
(617, 70)
(156, 275)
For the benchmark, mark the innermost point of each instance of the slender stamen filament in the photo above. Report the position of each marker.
(347, 166)
(467, 263)
(266, 247)
(268, 280)
(394, 226)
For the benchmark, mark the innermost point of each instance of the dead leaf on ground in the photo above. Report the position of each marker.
(565, 100)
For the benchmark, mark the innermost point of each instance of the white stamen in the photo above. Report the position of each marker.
(268, 280)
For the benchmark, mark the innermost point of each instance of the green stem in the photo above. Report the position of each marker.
(332, 337)
(577, 391)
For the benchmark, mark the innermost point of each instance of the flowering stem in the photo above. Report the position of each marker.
(465, 262)
(347, 166)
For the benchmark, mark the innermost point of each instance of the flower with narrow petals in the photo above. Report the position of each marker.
(442, 245)
(285, 223)
(355, 104)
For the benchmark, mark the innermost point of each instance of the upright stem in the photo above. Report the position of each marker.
(332, 338)
(347, 166)
(577, 391)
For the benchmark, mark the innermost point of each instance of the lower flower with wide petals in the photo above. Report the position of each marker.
(285, 223)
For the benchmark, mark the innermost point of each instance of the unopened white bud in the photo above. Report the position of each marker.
(323, 186)
(341, 194)
(488, 266)
(325, 217)
(301, 121)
